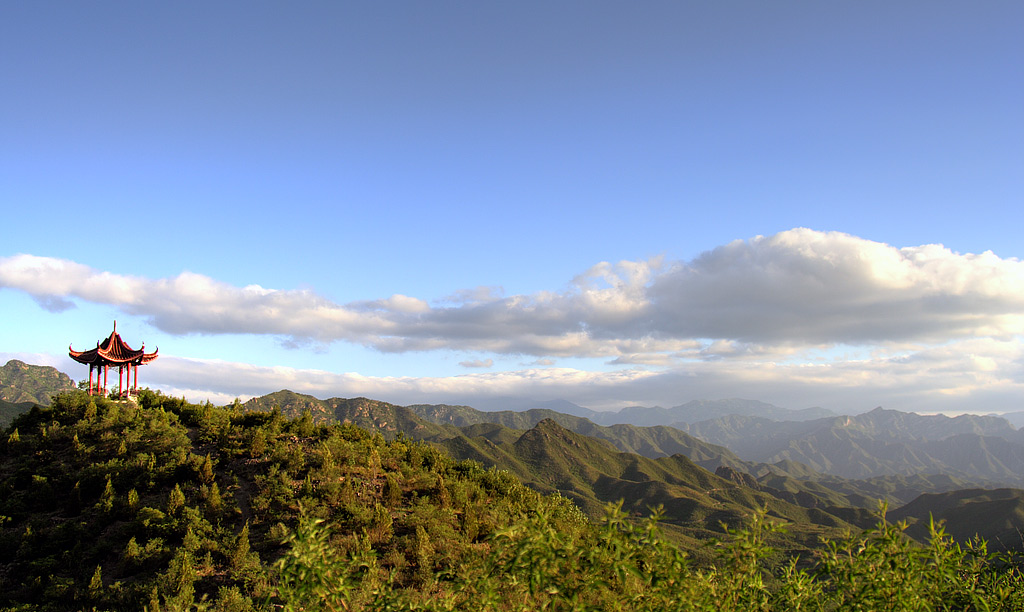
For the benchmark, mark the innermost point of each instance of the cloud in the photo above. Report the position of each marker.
(743, 300)
(477, 363)
(53, 303)
(816, 287)
(979, 375)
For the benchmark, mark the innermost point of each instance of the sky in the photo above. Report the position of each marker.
(609, 203)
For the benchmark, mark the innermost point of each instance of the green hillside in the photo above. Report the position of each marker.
(118, 505)
(812, 501)
(166, 505)
(592, 473)
(21, 383)
(996, 515)
(654, 441)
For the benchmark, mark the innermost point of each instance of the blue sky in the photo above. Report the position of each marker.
(605, 202)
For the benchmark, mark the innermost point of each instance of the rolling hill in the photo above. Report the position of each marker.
(996, 515)
(22, 383)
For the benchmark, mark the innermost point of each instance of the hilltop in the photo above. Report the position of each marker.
(24, 383)
(113, 504)
(23, 386)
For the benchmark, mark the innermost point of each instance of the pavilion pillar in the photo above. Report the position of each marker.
(120, 379)
(106, 369)
(90, 378)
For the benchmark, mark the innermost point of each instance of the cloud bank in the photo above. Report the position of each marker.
(766, 295)
(979, 375)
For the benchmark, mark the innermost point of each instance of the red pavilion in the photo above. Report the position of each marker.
(113, 352)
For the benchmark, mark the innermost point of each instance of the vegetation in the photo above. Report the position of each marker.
(621, 565)
(545, 450)
(21, 382)
(879, 435)
(165, 505)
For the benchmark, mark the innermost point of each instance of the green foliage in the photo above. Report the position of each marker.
(180, 510)
(22, 384)
(167, 505)
(623, 565)
(312, 575)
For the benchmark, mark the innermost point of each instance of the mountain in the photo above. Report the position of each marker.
(586, 466)
(591, 472)
(371, 415)
(522, 404)
(787, 479)
(162, 504)
(657, 441)
(571, 455)
(896, 489)
(878, 443)
(994, 515)
(702, 410)
(1015, 418)
(21, 382)
(438, 422)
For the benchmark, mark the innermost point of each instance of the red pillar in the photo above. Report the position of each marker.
(120, 378)
(106, 368)
(90, 379)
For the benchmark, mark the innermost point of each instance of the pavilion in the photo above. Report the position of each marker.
(113, 352)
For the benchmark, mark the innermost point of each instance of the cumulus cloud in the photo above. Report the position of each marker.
(477, 363)
(816, 287)
(740, 301)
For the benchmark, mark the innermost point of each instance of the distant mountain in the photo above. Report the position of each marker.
(522, 404)
(584, 461)
(702, 410)
(658, 441)
(21, 382)
(878, 443)
(794, 478)
(1015, 418)
(785, 478)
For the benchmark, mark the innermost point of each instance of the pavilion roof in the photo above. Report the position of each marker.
(113, 351)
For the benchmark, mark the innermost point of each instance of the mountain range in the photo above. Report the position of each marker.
(819, 474)
(646, 466)
(878, 443)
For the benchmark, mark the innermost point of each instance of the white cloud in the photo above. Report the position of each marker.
(814, 287)
(747, 299)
